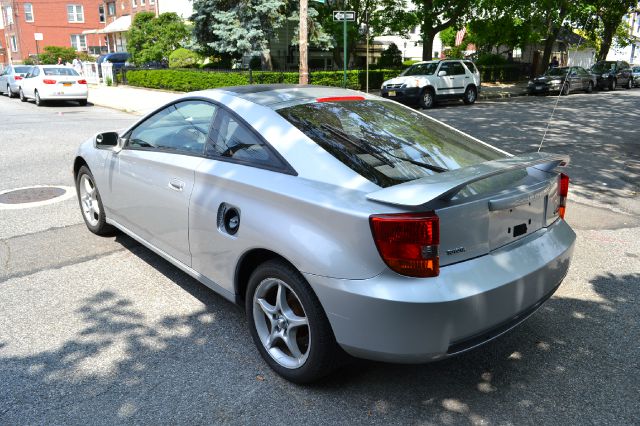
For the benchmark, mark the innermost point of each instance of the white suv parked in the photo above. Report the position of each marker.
(425, 82)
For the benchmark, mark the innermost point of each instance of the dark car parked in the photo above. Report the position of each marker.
(118, 59)
(611, 74)
(636, 76)
(563, 80)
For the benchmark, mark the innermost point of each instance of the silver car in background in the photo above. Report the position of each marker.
(341, 221)
(53, 82)
(10, 78)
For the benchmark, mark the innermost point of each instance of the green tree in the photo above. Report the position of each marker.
(50, 54)
(432, 16)
(391, 57)
(183, 58)
(153, 39)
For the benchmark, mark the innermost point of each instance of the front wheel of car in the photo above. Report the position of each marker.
(21, 94)
(427, 98)
(590, 87)
(288, 324)
(612, 84)
(91, 203)
(470, 95)
(629, 84)
(39, 101)
(9, 92)
(566, 89)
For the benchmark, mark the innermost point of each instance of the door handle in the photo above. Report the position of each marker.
(176, 185)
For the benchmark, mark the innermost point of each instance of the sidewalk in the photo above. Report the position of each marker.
(141, 101)
(134, 100)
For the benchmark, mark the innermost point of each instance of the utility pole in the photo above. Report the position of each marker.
(303, 44)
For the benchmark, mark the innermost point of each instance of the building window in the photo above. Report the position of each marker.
(141, 2)
(134, 3)
(101, 14)
(79, 42)
(111, 9)
(14, 44)
(9, 11)
(28, 12)
(75, 13)
(152, 1)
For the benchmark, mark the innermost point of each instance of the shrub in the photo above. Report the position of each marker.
(409, 62)
(29, 61)
(183, 58)
(85, 57)
(50, 54)
(391, 57)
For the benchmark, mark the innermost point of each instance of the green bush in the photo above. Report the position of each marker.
(188, 80)
(490, 59)
(409, 62)
(183, 58)
(50, 54)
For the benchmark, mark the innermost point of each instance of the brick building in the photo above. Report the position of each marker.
(119, 14)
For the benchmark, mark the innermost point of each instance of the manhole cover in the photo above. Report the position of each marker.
(31, 195)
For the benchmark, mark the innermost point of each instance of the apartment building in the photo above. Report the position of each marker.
(58, 23)
(119, 15)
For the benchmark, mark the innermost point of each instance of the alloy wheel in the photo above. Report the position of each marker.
(281, 323)
(89, 200)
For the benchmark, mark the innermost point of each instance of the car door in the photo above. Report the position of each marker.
(458, 76)
(151, 178)
(231, 183)
(3, 79)
(575, 80)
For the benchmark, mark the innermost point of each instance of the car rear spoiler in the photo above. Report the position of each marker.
(444, 186)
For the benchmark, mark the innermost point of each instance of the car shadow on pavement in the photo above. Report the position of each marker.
(564, 365)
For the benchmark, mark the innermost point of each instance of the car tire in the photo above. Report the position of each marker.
(612, 84)
(277, 297)
(9, 92)
(590, 87)
(21, 94)
(566, 89)
(629, 84)
(427, 98)
(39, 102)
(91, 203)
(470, 95)
(82, 102)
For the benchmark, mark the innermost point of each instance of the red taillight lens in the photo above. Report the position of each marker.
(47, 81)
(340, 99)
(563, 192)
(82, 81)
(17, 77)
(408, 242)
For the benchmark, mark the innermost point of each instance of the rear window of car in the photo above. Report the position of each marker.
(21, 70)
(471, 66)
(60, 71)
(385, 142)
(604, 66)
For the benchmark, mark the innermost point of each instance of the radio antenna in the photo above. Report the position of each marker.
(565, 82)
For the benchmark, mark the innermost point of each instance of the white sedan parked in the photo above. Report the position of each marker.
(53, 82)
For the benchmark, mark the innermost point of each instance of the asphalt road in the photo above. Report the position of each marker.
(101, 330)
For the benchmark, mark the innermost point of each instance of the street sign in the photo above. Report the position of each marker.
(38, 36)
(344, 15)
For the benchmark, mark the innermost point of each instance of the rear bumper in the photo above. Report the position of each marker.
(74, 93)
(401, 319)
(409, 95)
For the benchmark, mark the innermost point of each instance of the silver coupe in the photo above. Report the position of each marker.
(344, 223)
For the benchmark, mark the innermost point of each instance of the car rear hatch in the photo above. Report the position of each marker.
(484, 207)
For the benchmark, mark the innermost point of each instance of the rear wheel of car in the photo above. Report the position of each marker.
(590, 87)
(629, 84)
(21, 94)
(470, 95)
(83, 102)
(39, 101)
(91, 203)
(612, 84)
(427, 98)
(288, 324)
(565, 89)
(9, 92)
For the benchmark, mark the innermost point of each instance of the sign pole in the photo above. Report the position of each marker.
(38, 37)
(344, 38)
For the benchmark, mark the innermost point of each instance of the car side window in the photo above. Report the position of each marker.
(445, 66)
(456, 69)
(471, 66)
(34, 73)
(232, 139)
(181, 127)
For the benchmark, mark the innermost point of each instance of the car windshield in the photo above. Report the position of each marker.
(21, 70)
(603, 66)
(421, 69)
(636, 69)
(60, 71)
(385, 142)
(557, 71)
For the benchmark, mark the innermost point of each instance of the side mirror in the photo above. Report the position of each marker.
(441, 73)
(107, 139)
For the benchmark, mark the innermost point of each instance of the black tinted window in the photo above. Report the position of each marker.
(471, 66)
(456, 68)
(232, 139)
(182, 127)
(386, 142)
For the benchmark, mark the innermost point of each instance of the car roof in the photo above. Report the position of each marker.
(278, 96)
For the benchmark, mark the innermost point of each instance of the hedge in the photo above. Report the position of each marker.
(191, 80)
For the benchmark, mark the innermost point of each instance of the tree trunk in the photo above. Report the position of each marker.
(304, 34)
(427, 45)
(607, 37)
(265, 60)
(553, 29)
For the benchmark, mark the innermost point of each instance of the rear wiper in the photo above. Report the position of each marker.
(358, 144)
(377, 152)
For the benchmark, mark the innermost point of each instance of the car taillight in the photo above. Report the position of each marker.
(47, 81)
(82, 81)
(563, 192)
(17, 77)
(408, 242)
